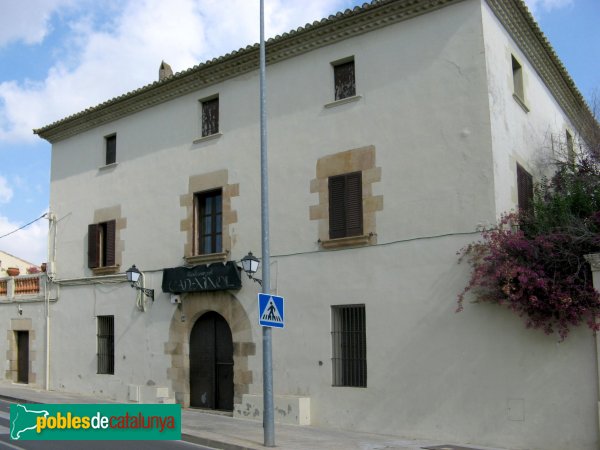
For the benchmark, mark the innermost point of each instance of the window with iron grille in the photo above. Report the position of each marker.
(106, 344)
(210, 116)
(524, 189)
(345, 205)
(344, 83)
(349, 339)
(209, 222)
(111, 149)
(101, 244)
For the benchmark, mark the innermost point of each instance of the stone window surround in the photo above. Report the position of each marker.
(358, 159)
(12, 353)
(105, 215)
(200, 183)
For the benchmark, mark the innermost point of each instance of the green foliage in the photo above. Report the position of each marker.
(568, 201)
(533, 263)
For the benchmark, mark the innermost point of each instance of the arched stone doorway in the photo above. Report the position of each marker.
(185, 317)
(211, 363)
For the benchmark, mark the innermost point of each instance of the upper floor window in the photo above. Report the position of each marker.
(524, 189)
(570, 148)
(345, 205)
(344, 82)
(210, 116)
(517, 75)
(209, 222)
(111, 149)
(101, 244)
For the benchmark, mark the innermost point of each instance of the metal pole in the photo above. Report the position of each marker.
(268, 416)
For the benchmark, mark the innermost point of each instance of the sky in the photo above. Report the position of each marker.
(59, 57)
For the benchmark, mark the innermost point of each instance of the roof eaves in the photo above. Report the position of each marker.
(520, 23)
(343, 25)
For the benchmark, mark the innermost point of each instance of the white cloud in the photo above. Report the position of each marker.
(536, 6)
(113, 47)
(113, 59)
(6, 192)
(30, 244)
(27, 20)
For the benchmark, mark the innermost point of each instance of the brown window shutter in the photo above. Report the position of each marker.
(110, 243)
(354, 214)
(93, 246)
(345, 205)
(337, 207)
(524, 189)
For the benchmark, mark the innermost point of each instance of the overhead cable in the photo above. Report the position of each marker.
(24, 226)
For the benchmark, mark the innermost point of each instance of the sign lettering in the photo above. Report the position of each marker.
(203, 278)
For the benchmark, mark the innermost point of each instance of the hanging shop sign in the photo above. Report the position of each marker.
(202, 278)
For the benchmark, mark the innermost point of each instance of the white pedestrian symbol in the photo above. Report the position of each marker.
(271, 312)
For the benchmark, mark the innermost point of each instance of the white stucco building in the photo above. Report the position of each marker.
(395, 130)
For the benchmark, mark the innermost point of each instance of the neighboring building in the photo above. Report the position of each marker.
(7, 260)
(394, 130)
(23, 289)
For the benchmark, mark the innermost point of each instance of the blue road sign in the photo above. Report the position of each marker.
(270, 311)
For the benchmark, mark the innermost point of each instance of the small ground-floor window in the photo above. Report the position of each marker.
(349, 339)
(106, 344)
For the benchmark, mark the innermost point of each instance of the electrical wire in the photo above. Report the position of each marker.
(24, 226)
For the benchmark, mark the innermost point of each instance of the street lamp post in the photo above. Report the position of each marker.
(268, 416)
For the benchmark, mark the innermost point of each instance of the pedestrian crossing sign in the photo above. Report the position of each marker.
(270, 311)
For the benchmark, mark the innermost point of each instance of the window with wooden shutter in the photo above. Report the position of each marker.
(524, 189)
(111, 149)
(109, 243)
(101, 244)
(210, 117)
(345, 85)
(345, 205)
(93, 246)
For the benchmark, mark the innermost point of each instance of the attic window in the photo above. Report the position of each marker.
(210, 116)
(570, 148)
(344, 81)
(517, 72)
(111, 149)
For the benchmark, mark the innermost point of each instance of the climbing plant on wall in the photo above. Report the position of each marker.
(533, 261)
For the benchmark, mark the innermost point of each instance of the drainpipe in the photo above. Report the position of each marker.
(49, 273)
(594, 261)
(47, 301)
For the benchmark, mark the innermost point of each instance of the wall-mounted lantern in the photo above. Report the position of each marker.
(133, 276)
(250, 265)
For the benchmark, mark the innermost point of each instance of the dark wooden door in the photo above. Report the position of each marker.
(211, 363)
(23, 356)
